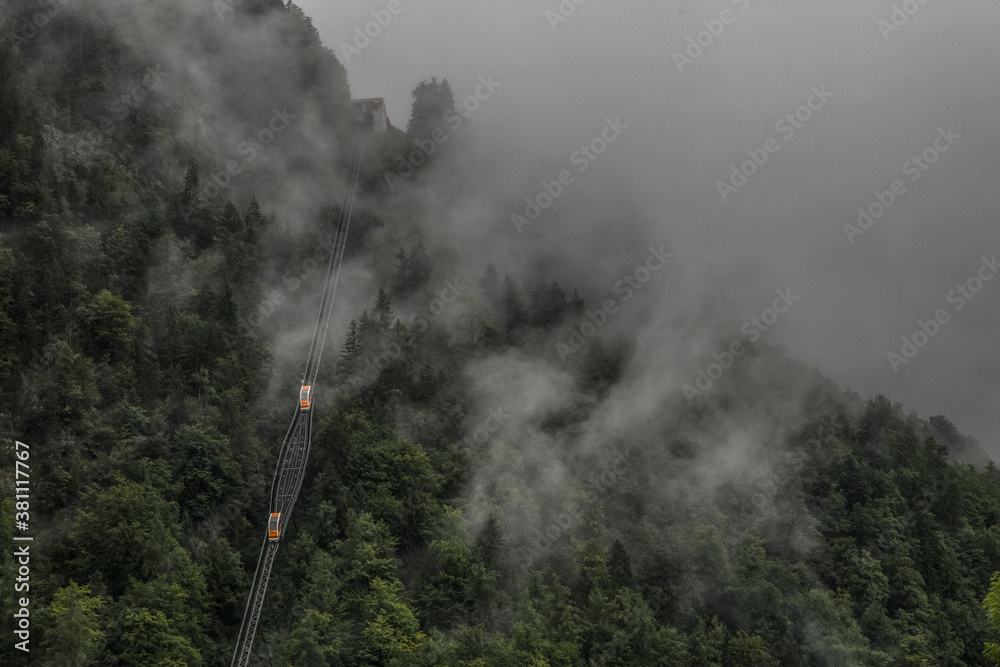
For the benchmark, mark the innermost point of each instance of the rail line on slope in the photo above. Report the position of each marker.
(294, 454)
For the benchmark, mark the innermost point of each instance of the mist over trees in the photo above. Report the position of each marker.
(460, 507)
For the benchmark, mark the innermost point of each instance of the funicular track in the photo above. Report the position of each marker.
(294, 453)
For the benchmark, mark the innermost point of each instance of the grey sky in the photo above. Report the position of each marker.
(657, 183)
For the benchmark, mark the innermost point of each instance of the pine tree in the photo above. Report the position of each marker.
(253, 223)
(490, 545)
(619, 567)
(231, 227)
(546, 303)
(383, 308)
(431, 101)
(401, 335)
(350, 347)
(189, 203)
(367, 326)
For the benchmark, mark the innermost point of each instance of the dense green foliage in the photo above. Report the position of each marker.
(139, 344)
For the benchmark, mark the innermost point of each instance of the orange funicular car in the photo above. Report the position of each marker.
(274, 527)
(305, 397)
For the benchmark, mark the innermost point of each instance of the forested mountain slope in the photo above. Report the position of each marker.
(169, 177)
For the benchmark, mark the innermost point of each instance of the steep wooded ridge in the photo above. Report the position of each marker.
(169, 177)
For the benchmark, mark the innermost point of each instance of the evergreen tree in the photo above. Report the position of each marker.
(383, 308)
(431, 101)
(546, 303)
(367, 330)
(490, 544)
(231, 229)
(619, 567)
(253, 222)
(318, 640)
(350, 348)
